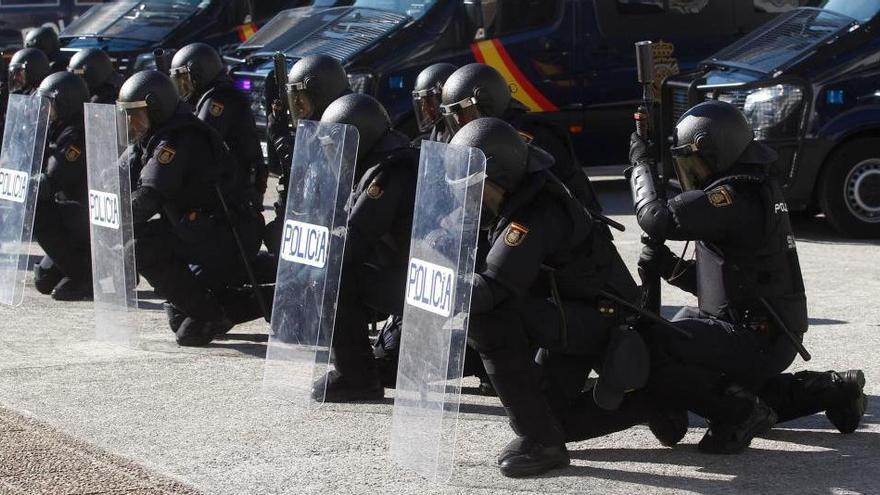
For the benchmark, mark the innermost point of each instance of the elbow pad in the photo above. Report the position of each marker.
(145, 202)
(653, 215)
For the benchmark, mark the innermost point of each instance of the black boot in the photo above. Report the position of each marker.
(198, 333)
(336, 387)
(69, 289)
(669, 426)
(175, 316)
(46, 276)
(525, 457)
(850, 401)
(733, 438)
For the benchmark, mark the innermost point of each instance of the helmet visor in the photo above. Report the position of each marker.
(426, 104)
(183, 80)
(458, 114)
(299, 101)
(691, 169)
(137, 119)
(17, 78)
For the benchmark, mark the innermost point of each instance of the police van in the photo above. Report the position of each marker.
(17, 17)
(569, 61)
(131, 30)
(809, 83)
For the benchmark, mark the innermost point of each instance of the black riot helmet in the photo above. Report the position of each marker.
(428, 93)
(364, 113)
(93, 65)
(67, 92)
(27, 69)
(709, 139)
(314, 82)
(507, 157)
(149, 99)
(44, 39)
(194, 67)
(471, 92)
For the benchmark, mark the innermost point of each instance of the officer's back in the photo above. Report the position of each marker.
(202, 81)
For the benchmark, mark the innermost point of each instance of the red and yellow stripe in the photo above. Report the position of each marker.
(245, 31)
(493, 53)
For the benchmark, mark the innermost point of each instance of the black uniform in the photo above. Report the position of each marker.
(61, 224)
(182, 162)
(227, 110)
(538, 273)
(377, 249)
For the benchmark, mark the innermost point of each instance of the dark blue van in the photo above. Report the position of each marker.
(569, 61)
(130, 30)
(17, 17)
(809, 82)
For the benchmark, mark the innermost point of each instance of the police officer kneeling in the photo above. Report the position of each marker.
(747, 278)
(186, 174)
(202, 81)
(61, 223)
(540, 266)
(376, 248)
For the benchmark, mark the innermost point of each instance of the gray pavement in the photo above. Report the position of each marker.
(198, 416)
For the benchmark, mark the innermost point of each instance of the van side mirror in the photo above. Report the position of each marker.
(474, 12)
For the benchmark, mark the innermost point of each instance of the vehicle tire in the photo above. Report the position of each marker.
(849, 189)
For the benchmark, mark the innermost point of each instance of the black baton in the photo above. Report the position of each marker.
(805, 354)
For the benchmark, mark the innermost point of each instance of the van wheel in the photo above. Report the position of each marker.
(849, 189)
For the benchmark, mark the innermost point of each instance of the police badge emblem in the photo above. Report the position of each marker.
(515, 234)
(216, 108)
(72, 153)
(166, 154)
(374, 190)
(720, 197)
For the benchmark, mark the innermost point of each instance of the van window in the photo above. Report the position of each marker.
(641, 7)
(778, 6)
(501, 17)
(28, 3)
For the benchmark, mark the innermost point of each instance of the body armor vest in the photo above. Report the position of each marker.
(732, 280)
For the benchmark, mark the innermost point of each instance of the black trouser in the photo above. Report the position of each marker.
(366, 293)
(535, 395)
(184, 264)
(695, 372)
(62, 230)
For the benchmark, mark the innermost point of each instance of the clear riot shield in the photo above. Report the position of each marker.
(310, 258)
(435, 318)
(24, 142)
(114, 274)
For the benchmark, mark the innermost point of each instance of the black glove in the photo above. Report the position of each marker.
(639, 150)
(658, 259)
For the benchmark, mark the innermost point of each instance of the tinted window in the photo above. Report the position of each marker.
(28, 3)
(502, 17)
(777, 6)
(640, 7)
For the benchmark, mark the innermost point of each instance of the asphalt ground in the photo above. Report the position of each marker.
(199, 417)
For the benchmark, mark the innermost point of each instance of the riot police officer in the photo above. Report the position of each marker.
(96, 69)
(541, 265)
(427, 95)
(478, 90)
(314, 82)
(61, 224)
(376, 248)
(27, 69)
(752, 310)
(203, 81)
(187, 175)
(46, 40)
